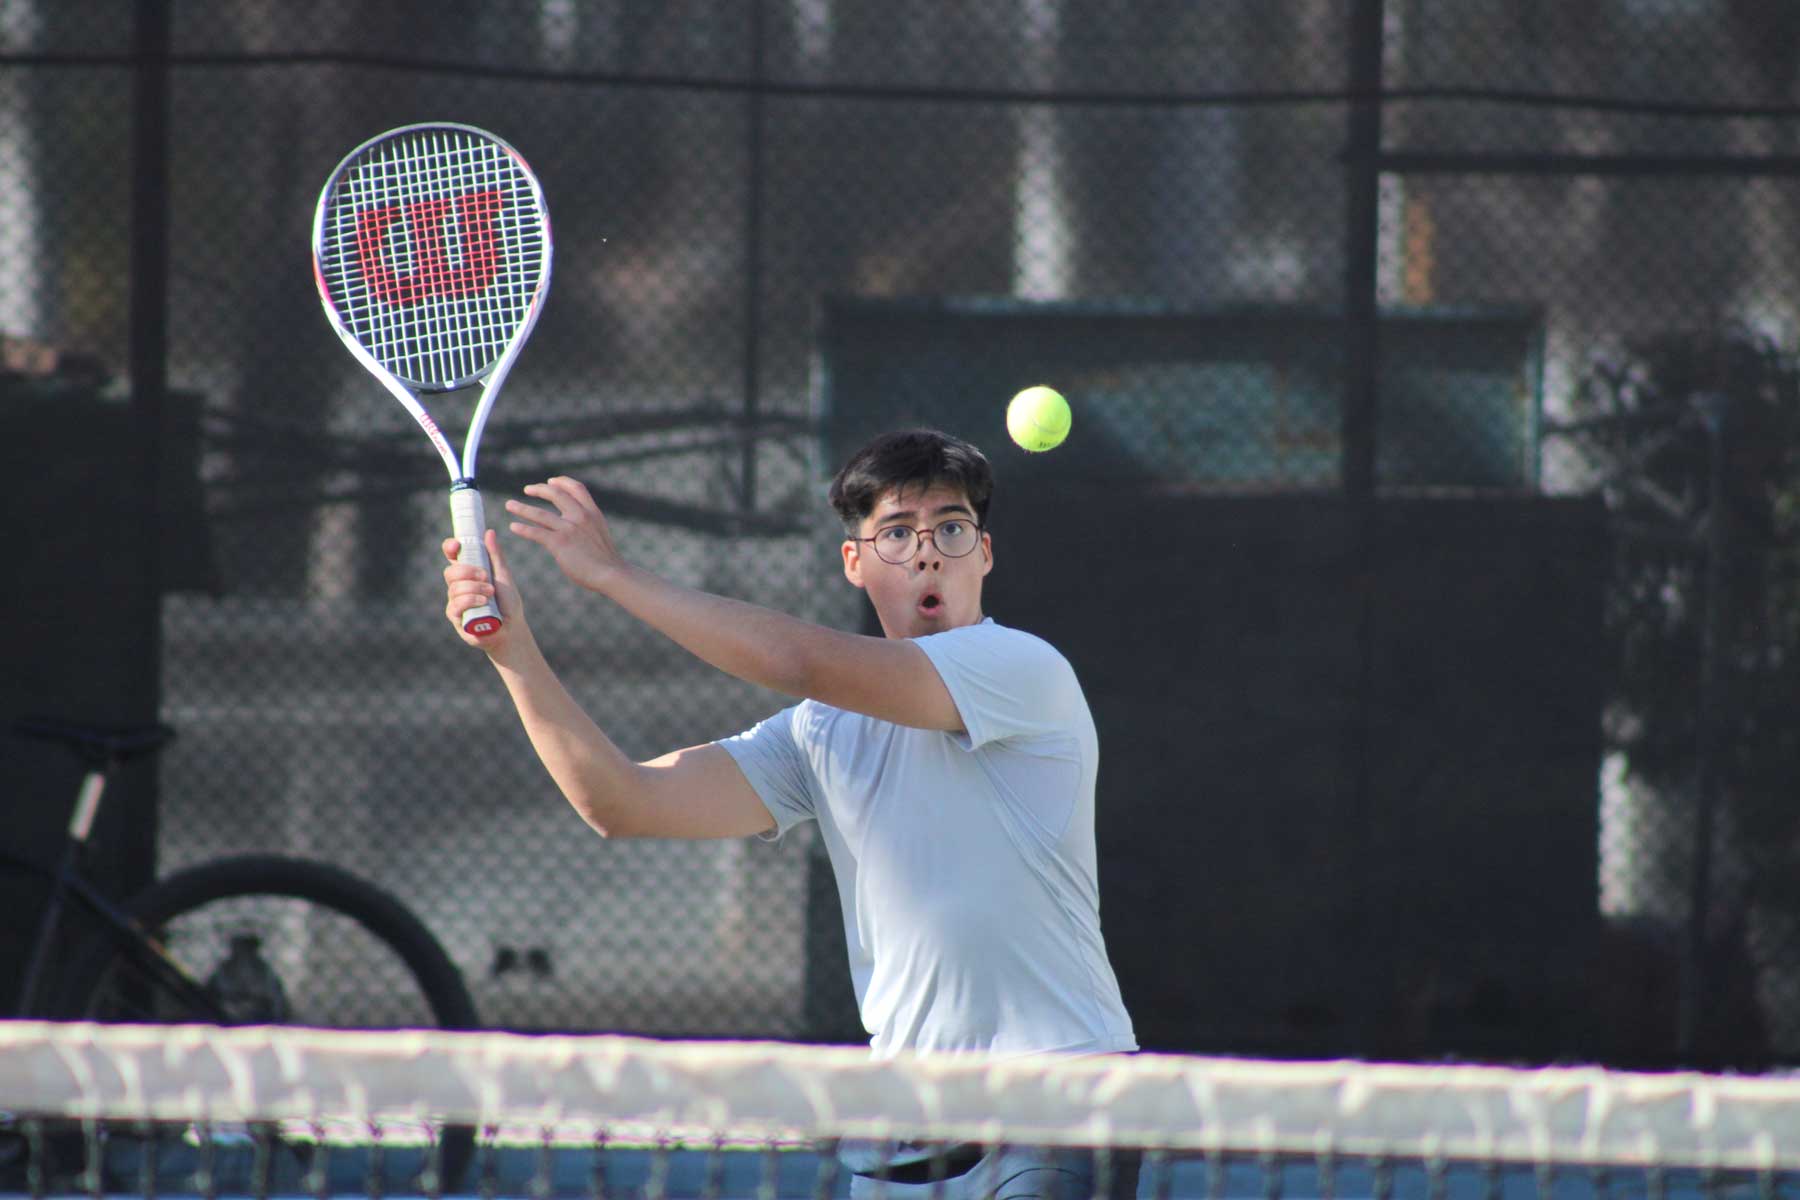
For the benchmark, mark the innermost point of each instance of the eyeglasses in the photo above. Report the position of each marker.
(897, 544)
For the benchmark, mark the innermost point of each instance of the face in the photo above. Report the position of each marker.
(931, 592)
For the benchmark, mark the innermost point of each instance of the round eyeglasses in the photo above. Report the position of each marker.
(897, 544)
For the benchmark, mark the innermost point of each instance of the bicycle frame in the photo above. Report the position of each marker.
(66, 883)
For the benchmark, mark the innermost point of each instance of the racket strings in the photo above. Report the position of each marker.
(432, 250)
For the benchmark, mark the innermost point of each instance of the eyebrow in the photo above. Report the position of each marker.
(910, 514)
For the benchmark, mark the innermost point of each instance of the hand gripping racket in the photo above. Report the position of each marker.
(431, 249)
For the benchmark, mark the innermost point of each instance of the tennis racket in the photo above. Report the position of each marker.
(431, 249)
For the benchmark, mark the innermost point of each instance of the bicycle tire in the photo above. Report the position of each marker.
(325, 894)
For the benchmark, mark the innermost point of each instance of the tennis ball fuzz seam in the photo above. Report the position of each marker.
(1038, 418)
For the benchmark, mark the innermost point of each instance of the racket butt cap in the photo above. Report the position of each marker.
(481, 626)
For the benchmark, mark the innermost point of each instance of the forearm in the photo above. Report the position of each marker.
(756, 644)
(598, 779)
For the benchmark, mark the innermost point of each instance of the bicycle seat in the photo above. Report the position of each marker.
(94, 744)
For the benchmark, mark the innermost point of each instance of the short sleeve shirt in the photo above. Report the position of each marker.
(965, 862)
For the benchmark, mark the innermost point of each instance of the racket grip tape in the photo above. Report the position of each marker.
(469, 523)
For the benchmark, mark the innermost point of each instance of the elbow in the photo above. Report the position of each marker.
(605, 831)
(608, 826)
(593, 816)
(611, 812)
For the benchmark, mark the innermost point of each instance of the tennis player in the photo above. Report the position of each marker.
(949, 765)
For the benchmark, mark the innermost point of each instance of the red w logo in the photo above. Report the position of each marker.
(432, 274)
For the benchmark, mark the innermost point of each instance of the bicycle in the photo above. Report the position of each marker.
(249, 939)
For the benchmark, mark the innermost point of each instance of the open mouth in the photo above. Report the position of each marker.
(931, 604)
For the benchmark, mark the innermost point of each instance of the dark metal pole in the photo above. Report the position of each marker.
(148, 353)
(1361, 247)
(1361, 380)
(753, 235)
(1715, 415)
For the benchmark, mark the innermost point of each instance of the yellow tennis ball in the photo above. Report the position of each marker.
(1038, 418)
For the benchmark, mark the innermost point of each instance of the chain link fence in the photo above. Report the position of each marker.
(784, 224)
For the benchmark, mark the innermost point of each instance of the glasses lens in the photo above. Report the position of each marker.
(954, 538)
(896, 544)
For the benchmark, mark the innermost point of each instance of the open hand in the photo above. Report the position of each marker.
(574, 531)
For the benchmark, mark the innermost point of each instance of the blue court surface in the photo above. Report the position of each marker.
(225, 1168)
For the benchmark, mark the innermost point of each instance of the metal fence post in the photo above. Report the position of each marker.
(148, 350)
(1361, 379)
(1715, 415)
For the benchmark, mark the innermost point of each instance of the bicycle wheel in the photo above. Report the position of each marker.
(266, 939)
(344, 953)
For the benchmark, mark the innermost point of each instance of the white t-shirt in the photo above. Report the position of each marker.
(965, 861)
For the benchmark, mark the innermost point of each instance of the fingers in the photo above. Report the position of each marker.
(467, 586)
(463, 595)
(565, 504)
(502, 572)
(570, 498)
(573, 519)
(456, 569)
(534, 520)
(467, 593)
(572, 491)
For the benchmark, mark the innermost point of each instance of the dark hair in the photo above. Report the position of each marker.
(926, 457)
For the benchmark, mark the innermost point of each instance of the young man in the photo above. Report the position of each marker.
(950, 766)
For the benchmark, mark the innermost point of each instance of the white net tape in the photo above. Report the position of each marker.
(776, 1091)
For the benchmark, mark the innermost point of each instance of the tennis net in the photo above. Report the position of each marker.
(191, 1110)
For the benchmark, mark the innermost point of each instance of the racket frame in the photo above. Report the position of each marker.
(468, 520)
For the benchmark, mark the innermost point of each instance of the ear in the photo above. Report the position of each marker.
(853, 564)
(987, 552)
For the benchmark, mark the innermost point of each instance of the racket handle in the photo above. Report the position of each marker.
(470, 525)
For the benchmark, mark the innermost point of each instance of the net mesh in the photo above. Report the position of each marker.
(432, 245)
(174, 1109)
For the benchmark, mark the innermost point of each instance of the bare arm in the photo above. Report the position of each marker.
(889, 679)
(892, 680)
(694, 793)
